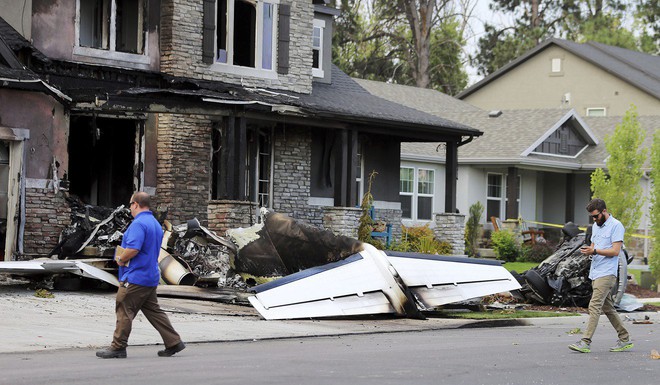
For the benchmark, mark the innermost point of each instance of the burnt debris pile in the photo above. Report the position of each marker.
(562, 279)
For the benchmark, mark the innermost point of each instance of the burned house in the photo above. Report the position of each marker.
(212, 116)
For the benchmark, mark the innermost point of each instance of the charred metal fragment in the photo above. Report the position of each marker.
(281, 246)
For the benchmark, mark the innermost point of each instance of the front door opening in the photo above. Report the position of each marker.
(102, 159)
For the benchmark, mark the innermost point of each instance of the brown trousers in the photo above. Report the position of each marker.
(132, 299)
(601, 301)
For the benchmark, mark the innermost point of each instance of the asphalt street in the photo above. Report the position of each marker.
(469, 356)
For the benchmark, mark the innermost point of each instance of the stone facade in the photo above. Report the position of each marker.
(224, 215)
(181, 47)
(46, 215)
(391, 216)
(451, 228)
(292, 175)
(184, 161)
(342, 220)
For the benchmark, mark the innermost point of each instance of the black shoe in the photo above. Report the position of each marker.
(168, 352)
(112, 353)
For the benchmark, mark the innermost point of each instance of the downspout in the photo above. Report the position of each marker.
(646, 176)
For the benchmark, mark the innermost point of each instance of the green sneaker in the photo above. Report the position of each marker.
(581, 346)
(621, 346)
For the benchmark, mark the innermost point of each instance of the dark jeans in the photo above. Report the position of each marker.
(132, 299)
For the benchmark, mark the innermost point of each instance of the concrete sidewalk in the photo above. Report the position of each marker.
(86, 320)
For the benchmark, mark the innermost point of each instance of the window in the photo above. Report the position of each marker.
(416, 191)
(264, 168)
(111, 25)
(317, 48)
(359, 176)
(596, 112)
(556, 65)
(406, 186)
(245, 33)
(494, 196)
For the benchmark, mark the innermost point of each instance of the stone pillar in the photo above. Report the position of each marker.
(342, 220)
(451, 228)
(224, 215)
(46, 215)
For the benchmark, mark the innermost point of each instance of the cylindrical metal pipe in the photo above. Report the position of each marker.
(173, 272)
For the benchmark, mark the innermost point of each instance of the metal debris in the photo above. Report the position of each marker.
(562, 279)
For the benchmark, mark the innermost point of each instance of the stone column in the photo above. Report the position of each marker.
(342, 220)
(451, 228)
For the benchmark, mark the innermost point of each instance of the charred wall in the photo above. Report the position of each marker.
(184, 158)
(46, 215)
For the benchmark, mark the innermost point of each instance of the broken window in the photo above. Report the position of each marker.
(245, 33)
(105, 159)
(252, 179)
(113, 25)
(317, 48)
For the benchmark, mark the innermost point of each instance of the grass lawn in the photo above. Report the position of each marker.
(504, 314)
(519, 267)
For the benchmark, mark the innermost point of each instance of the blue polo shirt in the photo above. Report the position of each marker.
(603, 238)
(144, 234)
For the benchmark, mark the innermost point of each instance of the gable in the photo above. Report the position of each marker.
(565, 141)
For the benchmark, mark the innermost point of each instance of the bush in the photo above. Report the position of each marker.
(536, 253)
(505, 245)
(421, 239)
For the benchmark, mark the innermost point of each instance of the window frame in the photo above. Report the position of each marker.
(555, 65)
(501, 198)
(111, 53)
(257, 70)
(320, 24)
(415, 194)
(590, 109)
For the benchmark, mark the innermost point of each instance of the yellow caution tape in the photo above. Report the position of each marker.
(583, 228)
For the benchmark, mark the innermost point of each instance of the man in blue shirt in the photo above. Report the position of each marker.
(606, 243)
(138, 281)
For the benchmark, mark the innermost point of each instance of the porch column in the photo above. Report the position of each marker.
(230, 179)
(512, 194)
(451, 175)
(345, 160)
(570, 198)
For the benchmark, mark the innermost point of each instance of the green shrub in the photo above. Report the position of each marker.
(505, 245)
(421, 239)
(536, 253)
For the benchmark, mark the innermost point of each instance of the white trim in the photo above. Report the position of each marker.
(111, 55)
(555, 66)
(562, 156)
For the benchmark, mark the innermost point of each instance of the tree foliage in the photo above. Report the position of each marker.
(620, 187)
(655, 205)
(413, 42)
(577, 20)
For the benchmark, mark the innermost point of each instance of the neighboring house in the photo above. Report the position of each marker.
(593, 78)
(533, 164)
(217, 107)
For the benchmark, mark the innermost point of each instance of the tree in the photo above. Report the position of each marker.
(620, 187)
(412, 42)
(536, 20)
(654, 262)
(472, 229)
(647, 15)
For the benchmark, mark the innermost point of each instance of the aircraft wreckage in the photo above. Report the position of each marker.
(562, 279)
(301, 271)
